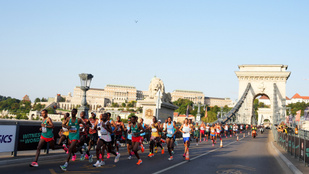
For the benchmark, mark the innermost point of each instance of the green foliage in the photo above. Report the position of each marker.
(131, 114)
(131, 104)
(183, 104)
(37, 100)
(115, 105)
(123, 105)
(43, 100)
(38, 107)
(139, 109)
(298, 106)
(51, 110)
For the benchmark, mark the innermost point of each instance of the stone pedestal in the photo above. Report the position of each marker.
(149, 110)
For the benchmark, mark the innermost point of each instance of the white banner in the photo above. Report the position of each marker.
(7, 138)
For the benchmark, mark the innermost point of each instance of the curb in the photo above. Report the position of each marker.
(286, 161)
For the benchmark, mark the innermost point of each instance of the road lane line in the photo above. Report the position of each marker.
(183, 162)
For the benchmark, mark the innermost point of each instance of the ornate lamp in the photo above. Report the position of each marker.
(85, 80)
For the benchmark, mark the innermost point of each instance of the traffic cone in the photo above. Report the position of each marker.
(244, 135)
(248, 133)
(221, 145)
(237, 137)
(187, 155)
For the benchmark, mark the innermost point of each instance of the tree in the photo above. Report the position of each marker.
(43, 100)
(123, 105)
(115, 105)
(183, 104)
(131, 114)
(37, 100)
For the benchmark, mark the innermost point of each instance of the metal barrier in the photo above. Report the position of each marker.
(296, 145)
(25, 136)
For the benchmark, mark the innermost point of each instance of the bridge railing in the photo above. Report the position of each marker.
(296, 145)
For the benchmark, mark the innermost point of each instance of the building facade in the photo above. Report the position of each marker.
(220, 102)
(194, 96)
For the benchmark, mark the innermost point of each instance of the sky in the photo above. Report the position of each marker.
(190, 45)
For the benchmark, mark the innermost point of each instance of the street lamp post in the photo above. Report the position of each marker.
(85, 80)
(198, 115)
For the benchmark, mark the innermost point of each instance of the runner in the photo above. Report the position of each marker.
(136, 130)
(218, 132)
(212, 134)
(113, 125)
(186, 129)
(202, 131)
(155, 138)
(226, 129)
(207, 131)
(105, 141)
(196, 132)
(191, 126)
(46, 136)
(231, 130)
(73, 126)
(129, 139)
(93, 134)
(83, 135)
(235, 130)
(143, 135)
(170, 128)
(118, 132)
(64, 134)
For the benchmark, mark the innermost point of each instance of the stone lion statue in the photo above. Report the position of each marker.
(154, 87)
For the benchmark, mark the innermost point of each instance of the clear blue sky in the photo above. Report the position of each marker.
(191, 45)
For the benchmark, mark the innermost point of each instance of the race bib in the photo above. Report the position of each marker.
(44, 130)
(196, 128)
(154, 129)
(169, 132)
(104, 132)
(73, 129)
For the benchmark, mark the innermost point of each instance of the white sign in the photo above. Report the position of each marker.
(7, 138)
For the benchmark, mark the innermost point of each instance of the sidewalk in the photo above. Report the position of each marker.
(290, 161)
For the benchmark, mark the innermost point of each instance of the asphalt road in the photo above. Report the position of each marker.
(247, 155)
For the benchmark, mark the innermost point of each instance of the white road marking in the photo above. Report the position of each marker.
(183, 162)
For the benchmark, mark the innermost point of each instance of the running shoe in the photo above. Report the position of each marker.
(176, 144)
(184, 155)
(108, 155)
(213, 145)
(100, 156)
(90, 158)
(102, 163)
(65, 148)
(139, 162)
(97, 164)
(34, 164)
(132, 153)
(64, 167)
(150, 155)
(156, 150)
(170, 158)
(82, 157)
(142, 148)
(74, 157)
(86, 156)
(117, 158)
(173, 152)
(162, 151)
(130, 157)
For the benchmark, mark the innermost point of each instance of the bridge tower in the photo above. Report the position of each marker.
(257, 80)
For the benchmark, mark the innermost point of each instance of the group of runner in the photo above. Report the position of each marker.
(81, 134)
